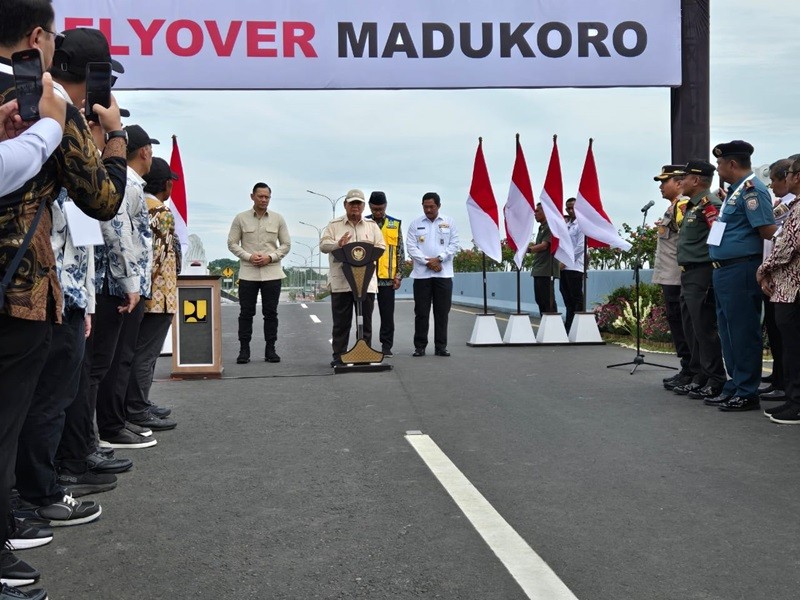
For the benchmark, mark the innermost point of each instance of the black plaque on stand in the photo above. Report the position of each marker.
(358, 264)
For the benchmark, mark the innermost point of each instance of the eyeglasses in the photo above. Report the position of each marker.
(58, 38)
(788, 172)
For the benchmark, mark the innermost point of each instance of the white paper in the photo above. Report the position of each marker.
(84, 230)
(715, 235)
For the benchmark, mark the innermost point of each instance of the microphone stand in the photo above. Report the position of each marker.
(639, 358)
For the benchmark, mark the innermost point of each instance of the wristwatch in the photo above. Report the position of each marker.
(119, 133)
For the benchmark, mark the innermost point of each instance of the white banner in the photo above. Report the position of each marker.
(368, 44)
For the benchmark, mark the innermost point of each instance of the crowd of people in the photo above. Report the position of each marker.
(85, 304)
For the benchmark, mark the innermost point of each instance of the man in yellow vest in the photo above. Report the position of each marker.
(389, 265)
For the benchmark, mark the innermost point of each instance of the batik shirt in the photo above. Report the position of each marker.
(164, 295)
(74, 264)
(783, 263)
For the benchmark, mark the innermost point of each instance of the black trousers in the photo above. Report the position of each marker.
(570, 284)
(787, 319)
(544, 292)
(776, 343)
(343, 307)
(152, 333)
(23, 350)
(386, 309)
(698, 309)
(55, 391)
(112, 387)
(436, 291)
(78, 438)
(672, 304)
(248, 294)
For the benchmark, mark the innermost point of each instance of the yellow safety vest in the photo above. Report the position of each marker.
(387, 263)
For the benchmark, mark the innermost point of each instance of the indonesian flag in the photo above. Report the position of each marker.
(519, 209)
(552, 198)
(482, 208)
(178, 196)
(589, 213)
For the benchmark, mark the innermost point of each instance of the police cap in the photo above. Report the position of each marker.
(699, 167)
(734, 148)
(668, 171)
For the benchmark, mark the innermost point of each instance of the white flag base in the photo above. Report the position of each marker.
(551, 330)
(485, 332)
(166, 349)
(584, 329)
(519, 330)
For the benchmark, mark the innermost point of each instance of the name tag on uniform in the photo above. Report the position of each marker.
(715, 235)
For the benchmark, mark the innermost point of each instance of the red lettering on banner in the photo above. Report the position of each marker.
(105, 27)
(255, 38)
(75, 22)
(223, 47)
(298, 33)
(193, 28)
(146, 34)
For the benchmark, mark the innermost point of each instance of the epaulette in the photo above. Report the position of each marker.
(704, 201)
(749, 184)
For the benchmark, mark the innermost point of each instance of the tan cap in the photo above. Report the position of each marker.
(354, 196)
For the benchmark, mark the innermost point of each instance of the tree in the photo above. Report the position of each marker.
(216, 267)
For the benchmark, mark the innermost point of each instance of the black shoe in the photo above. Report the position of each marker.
(788, 416)
(138, 429)
(336, 362)
(8, 592)
(442, 352)
(127, 439)
(244, 356)
(150, 421)
(387, 352)
(768, 412)
(101, 463)
(83, 484)
(15, 571)
(159, 411)
(774, 394)
(683, 390)
(767, 379)
(670, 383)
(64, 513)
(23, 534)
(717, 400)
(419, 352)
(739, 404)
(708, 391)
(270, 356)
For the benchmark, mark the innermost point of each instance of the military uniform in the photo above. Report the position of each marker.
(747, 207)
(697, 293)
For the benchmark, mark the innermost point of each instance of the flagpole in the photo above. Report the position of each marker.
(519, 296)
(485, 298)
(585, 268)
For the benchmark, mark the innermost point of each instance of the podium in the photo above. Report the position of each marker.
(358, 264)
(197, 329)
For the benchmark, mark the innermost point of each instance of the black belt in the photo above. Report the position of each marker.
(690, 266)
(717, 264)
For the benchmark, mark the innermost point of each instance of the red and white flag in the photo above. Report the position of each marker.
(482, 209)
(589, 213)
(519, 209)
(552, 199)
(178, 197)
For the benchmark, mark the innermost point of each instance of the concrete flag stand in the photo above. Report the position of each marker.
(485, 331)
(584, 329)
(519, 331)
(551, 330)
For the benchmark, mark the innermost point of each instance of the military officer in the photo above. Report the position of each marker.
(735, 247)
(697, 293)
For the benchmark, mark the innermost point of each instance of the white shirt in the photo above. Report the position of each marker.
(23, 157)
(430, 239)
(578, 239)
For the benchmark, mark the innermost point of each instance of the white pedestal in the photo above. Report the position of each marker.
(485, 332)
(584, 329)
(519, 330)
(166, 349)
(551, 330)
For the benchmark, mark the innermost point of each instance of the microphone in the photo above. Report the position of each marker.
(648, 206)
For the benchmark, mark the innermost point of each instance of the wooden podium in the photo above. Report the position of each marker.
(197, 329)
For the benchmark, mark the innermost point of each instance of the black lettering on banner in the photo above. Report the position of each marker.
(447, 40)
(619, 39)
(368, 36)
(487, 41)
(543, 40)
(593, 33)
(509, 39)
(399, 40)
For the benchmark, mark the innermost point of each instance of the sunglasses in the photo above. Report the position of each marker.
(58, 37)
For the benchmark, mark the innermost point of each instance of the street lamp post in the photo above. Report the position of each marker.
(331, 200)
(310, 260)
(319, 265)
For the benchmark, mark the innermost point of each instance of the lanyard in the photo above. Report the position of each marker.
(735, 195)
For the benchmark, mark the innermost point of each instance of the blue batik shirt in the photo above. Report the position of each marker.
(74, 264)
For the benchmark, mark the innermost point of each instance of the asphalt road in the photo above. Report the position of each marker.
(283, 481)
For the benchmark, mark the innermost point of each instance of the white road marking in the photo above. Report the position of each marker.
(536, 579)
(303, 305)
(315, 318)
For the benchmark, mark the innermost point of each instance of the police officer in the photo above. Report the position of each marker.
(735, 247)
(389, 264)
(697, 293)
(667, 274)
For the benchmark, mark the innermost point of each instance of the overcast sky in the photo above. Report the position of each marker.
(410, 142)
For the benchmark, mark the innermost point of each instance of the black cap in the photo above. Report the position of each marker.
(734, 148)
(668, 171)
(80, 47)
(700, 167)
(377, 198)
(160, 171)
(138, 138)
